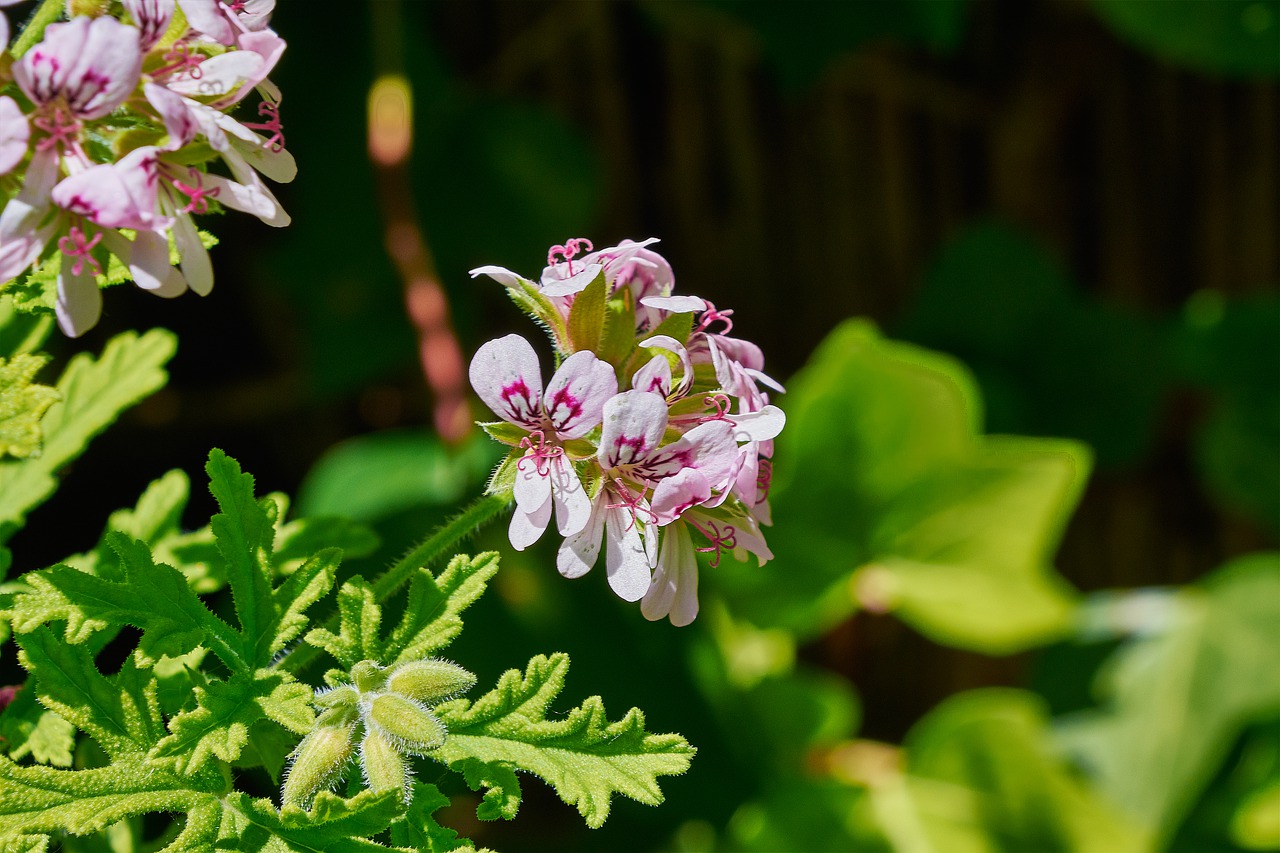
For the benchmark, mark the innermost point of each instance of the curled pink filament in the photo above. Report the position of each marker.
(181, 58)
(631, 501)
(568, 251)
(197, 192)
(713, 315)
(764, 477)
(272, 125)
(721, 404)
(725, 539)
(61, 127)
(537, 449)
(76, 245)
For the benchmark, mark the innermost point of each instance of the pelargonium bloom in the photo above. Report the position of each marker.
(673, 460)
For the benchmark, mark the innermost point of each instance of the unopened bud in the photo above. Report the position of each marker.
(409, 722)
(382, 763)
(430, 680)
(317, 763)
(368, 676)
(91, 8)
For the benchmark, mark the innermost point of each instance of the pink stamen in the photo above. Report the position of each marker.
(272, 124)
(236, 5)
(181, 58)
(712, 315)
(76, 245)
(721, 404)
(197, 192)
(719, 540)
(631, 503)
(537, 449)
(764, 478)
(62, 128)
(568, 251)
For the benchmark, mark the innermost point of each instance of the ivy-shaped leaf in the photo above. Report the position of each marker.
(22, 404)
(584, 757)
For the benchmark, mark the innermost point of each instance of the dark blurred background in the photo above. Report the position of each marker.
(1081, 200)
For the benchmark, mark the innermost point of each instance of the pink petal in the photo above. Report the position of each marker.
(677, 493)
(15, 133)
(206, 17)
(625, 558)
(578, 553)
(573, 507)
(152, 18)
(528, 527)
(219, 75)
(506, 375)
(115, 195)
(93, 63)
(708, 447)
(79, 302)
(179, 120)
(575, 399)
(654, 377)
(633, 424)
(670, 344)
(22, 234)
(269, 47)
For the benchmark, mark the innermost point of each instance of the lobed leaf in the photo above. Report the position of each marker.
(22, 405)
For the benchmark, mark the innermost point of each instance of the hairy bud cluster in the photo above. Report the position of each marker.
(378, 719)
(115, 130)
(655, 429)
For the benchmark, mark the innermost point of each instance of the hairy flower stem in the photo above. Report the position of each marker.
(48, 12)
(439, 544)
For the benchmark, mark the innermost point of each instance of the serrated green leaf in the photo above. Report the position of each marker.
(501, 788)
(333, 825)
(584, 757)
(93, 394)
(27, 729)
(22, 404)
(359, 616)
(587, 315)
(420, 831)
(21, 333)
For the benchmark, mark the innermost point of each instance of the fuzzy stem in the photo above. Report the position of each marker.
(467, 523)
(48, 12)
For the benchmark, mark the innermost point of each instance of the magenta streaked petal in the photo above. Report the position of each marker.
(179, 121)
(675, 494)
(15, 134)
(115, 195)
(633, 424)
(506, 375)
(576, 396)
(79, 302)
(670, 344)
(625, 557)
(152, 18)
(92, 63)
(654, 377)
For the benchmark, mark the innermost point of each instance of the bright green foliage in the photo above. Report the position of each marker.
(420, 831)
(431, 620)
(889, 497)
(22, 404)
(584, 757)
(1202, 661)
(93, 394)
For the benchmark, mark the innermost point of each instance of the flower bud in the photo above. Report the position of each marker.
(382, 764)
(430, 680)
(317, 762)
(409, 722)
(368, 676)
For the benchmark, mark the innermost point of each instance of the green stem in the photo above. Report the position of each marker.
(48, 12)
(439, 544)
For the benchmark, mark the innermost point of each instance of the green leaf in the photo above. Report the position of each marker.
(419, 829)
(1201, 661)
(22, 405)
(585, 758)
(27, 729)
(21, 333)
(1234, 38)
(93, 394)
(619, 336)
(587, 316)
(888, 497)
(502, 788)
(333, 825)
(431, 620)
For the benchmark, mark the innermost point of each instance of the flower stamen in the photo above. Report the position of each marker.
(713, 315)
(631, 501)
(62, 128)
(272, 124)
(568, 251)
(726, 539)
(197, 192)
(76, 245)
(536, 448)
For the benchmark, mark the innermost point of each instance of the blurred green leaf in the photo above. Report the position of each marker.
(1257, 823)
(375, 475)
(1178, 693)
(887, 496)
(1048, 360)
(1236, 38)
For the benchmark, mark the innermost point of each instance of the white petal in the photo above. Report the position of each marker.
(553, 285)
(501, 275)
(625, 557)
(575, 398)
(533, 484)
(528, 527)
(573, 507)
(14, 133)
(758, 426)
(79, 302)
(196, 266)
(675, 304)
(578, 553)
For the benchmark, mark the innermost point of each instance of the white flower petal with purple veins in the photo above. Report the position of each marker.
(179, 120)
(578, 553)
(633, 424)
(255, 14)
(25, 226)
(654, 377)
(573, 507)
(670, 344)
(115, 195)
(528, 527)
(79, 302)
(92, 63)
(152, 17)
(506, 375)
(15, 134)
(686, 488)
(501, 275)
(675, 304)
(708, 447)
(532, 486)
(758, 426)
(207, 18)
(575, 398)
(557, 281)
(625, 556)
(674, 590)
(193, 256)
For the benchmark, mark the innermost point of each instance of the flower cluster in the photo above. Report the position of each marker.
(653, 432)
(116, 125)
(377, 719)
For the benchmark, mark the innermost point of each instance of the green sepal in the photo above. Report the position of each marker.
(579, 448)
(503, 479)
(508, 434)
(678, 326)
(529, 299)
(587, 316)
(619, 336)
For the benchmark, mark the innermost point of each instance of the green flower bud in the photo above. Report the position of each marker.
(430, 680)
(343, 696)
(383, 765)
(368, 676)
(411, 723)
(317, 762)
